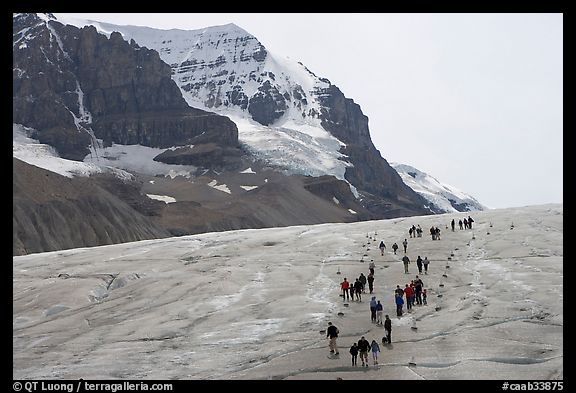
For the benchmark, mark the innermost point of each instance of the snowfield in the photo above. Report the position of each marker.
(254, 304)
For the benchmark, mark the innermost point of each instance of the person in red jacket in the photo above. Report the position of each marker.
(345, 285)
(409, 292)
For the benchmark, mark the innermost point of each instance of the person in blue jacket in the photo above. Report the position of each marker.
(399, 304)
(373, 304)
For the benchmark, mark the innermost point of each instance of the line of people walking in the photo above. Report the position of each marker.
(414, 294)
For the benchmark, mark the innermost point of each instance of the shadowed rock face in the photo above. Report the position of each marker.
(267, 105)
(384, 191)
(75, 84)
(44, 88)
(53, 212)
(280, 201)
(200, 155)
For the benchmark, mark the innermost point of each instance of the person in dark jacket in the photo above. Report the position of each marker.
(388, 329)
(406, 261)
(419, 264)
(394, 247)
(418, 285)
(358, 290)
(363, 280)
(382, 247)
(332, 333)
(354, 353)
(363, 347)
(371, 282)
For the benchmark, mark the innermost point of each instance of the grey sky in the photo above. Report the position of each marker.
(475, 100)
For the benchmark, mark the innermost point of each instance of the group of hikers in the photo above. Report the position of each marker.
(467, 223)
(354, 290)
(394, 247)
(416, 231)
(362, 347)
(414, 293)
(435, 231)
(420, 263)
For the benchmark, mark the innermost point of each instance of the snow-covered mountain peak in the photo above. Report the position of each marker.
(231, 28)
(225, 69)
(25, 26)
(444, 198)
(44, 16)
(274, 101)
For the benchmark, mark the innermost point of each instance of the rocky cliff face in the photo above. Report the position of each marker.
(384, 191)
(75, 86)
(78, 89)
(45, 89)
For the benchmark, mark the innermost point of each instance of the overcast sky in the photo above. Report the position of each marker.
(474, 100)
